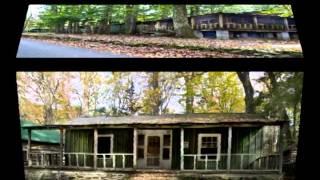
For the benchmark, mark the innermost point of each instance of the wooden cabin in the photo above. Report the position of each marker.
(43, 141)
(231, 25)
(216, 142)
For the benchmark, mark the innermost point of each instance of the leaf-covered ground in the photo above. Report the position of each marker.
(169, 47)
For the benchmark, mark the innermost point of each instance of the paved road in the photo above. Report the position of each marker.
(39, 49)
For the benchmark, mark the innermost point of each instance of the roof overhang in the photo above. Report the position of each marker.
(167, 121)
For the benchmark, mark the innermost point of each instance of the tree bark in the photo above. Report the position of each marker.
(180, 22)
(281, 109)
(189, 97)
(249, 92)
(48, 115)
(70, 27)
(155, 87)
(104, 24)
(130, 25)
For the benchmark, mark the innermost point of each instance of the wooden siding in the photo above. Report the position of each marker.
(246, 141)
(79, 141)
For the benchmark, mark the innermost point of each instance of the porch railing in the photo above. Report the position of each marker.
(43, 159)
(81, 160)
(238, 162)
(239, 26)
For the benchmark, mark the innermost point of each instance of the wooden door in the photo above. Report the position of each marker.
(153, 151)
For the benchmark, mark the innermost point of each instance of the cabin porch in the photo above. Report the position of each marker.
(233, 149)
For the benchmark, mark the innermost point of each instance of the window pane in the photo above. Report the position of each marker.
(166, 153)
(212, 157)
(166, 140)
(209, 151)
(104, 144)
(140, 153)
(140, 140)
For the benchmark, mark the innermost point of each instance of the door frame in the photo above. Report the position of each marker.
(164, 164)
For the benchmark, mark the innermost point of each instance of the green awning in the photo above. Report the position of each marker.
(44, 136)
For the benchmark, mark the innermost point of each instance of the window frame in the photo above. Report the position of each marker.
(167, 146)
(200, 136)
(141, 146)
(111, 144)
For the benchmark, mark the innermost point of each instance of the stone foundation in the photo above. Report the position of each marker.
(283, 36)
(244, 35)
(269, 35)
(47, 174)
(222, 34)
(198, 34)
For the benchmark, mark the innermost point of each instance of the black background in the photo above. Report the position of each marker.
(15, 16)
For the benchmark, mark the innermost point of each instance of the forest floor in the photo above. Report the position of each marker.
(170, 47)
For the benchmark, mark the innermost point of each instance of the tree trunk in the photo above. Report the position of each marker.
(155, 86)
(180, 22)
(54, 9)
(70, 27)
(189, 93)
(248, 89)
(281, 109)
(61, 27)
(295, 110)
(130, 25)
(77, 29)
(48, 115)
(104, 24)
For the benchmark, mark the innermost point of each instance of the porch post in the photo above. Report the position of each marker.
(220, 21)
(281, 148)
(255, 22)
(29, 148)
(135, 135)
(229, 147)
(61, 146)
(286, 24)
(95, 148)
(182, 149)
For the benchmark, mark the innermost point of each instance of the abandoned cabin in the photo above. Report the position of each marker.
(42, 140)
(224, 143)
(215, 25)
(225, 26)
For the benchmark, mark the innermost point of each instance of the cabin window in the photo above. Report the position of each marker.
(209, 146)
(166, 140)
(141, 146)
(166, 154)
(140, 153)
(105, 144)
(140, 140)
(166, 147)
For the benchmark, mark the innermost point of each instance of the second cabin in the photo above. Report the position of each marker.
(225, 26)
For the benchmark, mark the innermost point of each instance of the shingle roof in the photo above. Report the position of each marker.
(210, 118)
(44, 136)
